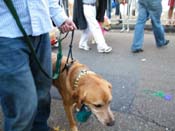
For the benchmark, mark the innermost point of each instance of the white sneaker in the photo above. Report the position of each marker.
(122, 30)
(105, 50)
(84, 47)
(93, 41)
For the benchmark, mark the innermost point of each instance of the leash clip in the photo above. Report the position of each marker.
(68, 65)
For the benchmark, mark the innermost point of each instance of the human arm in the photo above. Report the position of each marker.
(59, 17)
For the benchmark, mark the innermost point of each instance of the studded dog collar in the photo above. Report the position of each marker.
(80, 75)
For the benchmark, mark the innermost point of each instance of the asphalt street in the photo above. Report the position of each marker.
(143, 84)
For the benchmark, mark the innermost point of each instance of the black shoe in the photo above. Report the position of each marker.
(137, 51)
(166, 43)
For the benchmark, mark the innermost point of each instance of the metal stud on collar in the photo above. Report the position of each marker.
(81, 74)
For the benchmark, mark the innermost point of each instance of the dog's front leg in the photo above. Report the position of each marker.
(69, 113)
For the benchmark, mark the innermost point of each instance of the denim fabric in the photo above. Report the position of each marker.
(109, 9)
(117, 8)
(148, 9)
(24, 90)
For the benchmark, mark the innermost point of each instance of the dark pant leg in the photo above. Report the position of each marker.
(17, 88)
(43, 84)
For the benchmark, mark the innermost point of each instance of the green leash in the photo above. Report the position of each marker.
(59, 56)
(26, 38)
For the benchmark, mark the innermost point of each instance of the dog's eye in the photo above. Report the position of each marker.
(98, 105)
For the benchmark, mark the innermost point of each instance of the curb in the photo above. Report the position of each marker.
(168, 29)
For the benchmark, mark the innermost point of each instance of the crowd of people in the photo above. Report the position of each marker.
(25, 91)
(146, 10)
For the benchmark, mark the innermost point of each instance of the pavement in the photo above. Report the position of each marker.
(143, 84)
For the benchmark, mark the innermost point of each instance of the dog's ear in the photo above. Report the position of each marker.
(81, 98)
(109, 85)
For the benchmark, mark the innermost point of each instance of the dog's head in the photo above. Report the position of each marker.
(95, 92)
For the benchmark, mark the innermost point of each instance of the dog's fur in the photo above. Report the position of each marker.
(91, 90)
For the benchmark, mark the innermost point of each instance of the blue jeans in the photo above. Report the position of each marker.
(117, 8)
(24, 89)
(148, 9)
(109, 8)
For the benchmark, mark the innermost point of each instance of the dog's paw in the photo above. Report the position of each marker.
(74, 128)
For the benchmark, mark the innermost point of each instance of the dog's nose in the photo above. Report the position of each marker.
(111, 123)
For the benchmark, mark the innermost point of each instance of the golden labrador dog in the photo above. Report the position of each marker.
(79, 86)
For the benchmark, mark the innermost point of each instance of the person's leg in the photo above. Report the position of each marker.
(117, 13)
(83, 44)
(117, 9)
(123, 17)
(101, 10)
(109, 8)
(174, 15)
(139, 28)
(174, 20)
(18, 95)
(128, 14)
(155, 10)
(90, 15)
(170, 12)
(43, 84)
(120, 21)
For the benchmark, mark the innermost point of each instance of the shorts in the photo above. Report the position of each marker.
(171, 3)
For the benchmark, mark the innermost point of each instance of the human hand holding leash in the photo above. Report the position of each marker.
(68, 25)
